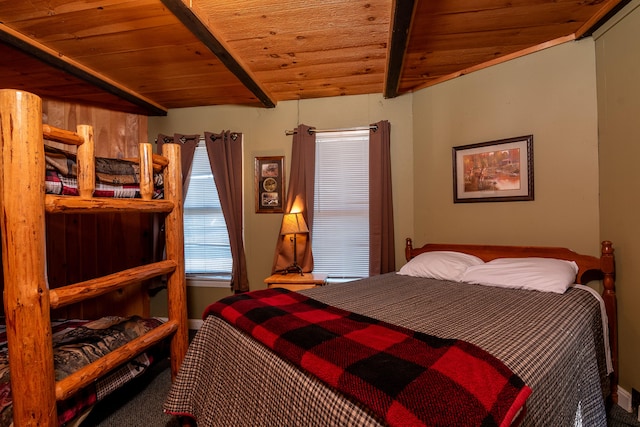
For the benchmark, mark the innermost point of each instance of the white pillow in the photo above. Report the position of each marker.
(443, 265)
(540, 274)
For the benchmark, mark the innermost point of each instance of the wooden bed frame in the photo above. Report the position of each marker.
(589, 268)
(27, 297)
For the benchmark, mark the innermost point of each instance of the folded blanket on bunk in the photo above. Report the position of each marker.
(404, 377)
(114, 177)
(76, 344)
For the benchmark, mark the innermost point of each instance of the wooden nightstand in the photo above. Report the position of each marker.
(295, 281)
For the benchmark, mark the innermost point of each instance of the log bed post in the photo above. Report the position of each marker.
(146, 170)
(86, 162)
(176, 283)
(26, 299)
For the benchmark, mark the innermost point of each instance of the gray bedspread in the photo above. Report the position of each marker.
(553, 342)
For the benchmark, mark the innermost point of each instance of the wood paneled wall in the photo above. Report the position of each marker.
(82, 247)
(116, 134)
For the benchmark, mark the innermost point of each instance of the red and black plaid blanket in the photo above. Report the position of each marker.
(404, 377)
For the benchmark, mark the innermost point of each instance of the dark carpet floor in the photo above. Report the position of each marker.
(618, 417)
(140, 405)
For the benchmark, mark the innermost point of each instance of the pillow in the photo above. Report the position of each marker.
(540, 274)
(443, 265)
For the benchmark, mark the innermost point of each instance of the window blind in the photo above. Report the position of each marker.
(341, 212)
(206, 240)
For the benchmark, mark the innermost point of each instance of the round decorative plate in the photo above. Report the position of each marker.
(269, 184)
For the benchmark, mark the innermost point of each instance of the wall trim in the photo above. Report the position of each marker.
(196, 324)
(624, 399)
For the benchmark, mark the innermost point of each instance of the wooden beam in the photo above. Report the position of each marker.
(401, 20)
(197, 23)
(68, 65)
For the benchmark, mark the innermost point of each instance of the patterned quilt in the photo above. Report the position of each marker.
(76, 344)
(400, 374)
(114, 177)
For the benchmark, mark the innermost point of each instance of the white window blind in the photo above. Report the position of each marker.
(206, 240)
(341, 213)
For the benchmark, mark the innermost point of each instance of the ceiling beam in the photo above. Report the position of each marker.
(57, 60)
(401, 20)
(197, 23)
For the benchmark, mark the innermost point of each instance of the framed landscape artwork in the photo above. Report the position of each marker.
(494, 171)
(269, 184)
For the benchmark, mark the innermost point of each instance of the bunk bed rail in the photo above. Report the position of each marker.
(27, 298)
(93, 288)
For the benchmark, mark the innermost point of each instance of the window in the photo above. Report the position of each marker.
(206, 240)
(341, 213)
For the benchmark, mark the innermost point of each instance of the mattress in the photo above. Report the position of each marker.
(116, 178)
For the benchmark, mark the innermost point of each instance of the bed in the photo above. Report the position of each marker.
(42, 381)
(115, 178)
(555, 342)
(77, 343)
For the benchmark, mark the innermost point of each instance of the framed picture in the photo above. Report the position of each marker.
(494, 171)
(269, 184)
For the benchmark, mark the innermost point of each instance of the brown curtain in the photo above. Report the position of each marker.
(381, 236)
(225, 157)
(301, 192)
(188, 144)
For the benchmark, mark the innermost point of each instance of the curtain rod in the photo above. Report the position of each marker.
(234, 136)
(201, 139)
(371, 127)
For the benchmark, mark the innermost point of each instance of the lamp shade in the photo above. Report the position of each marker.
(293, 223)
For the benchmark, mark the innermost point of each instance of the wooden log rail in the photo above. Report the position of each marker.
(62, 135)
(93, 288)
(70, 204)
(159, 162)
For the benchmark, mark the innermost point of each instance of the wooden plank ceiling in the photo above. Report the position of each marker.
(147, 56)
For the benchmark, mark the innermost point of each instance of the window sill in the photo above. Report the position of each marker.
(208, 281)
(341, 279)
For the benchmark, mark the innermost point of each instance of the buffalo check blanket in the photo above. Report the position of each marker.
(404, 377)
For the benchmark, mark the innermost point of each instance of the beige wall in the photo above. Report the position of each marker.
(618, 75)
(551, 95)
(264, 135)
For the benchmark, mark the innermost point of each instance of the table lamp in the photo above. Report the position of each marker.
(293, 223)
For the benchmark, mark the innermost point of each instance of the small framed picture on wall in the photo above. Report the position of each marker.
(269, 184)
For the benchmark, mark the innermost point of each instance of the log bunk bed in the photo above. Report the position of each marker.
(28, 301)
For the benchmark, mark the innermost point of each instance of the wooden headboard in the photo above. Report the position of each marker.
(589, 268)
